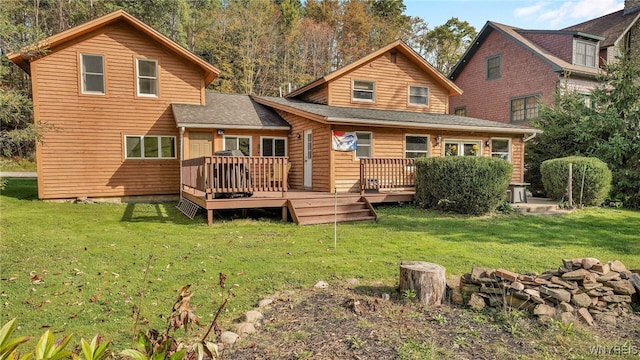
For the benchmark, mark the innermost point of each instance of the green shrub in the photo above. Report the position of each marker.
(465, 184)
(594, 172)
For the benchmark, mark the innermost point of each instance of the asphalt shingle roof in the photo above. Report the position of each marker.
(611, 26)
(228, 111)
(366, 116)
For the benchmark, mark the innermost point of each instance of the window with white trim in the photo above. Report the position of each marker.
(92, 68)
(150, 147)
(462, 148)
(419, 95)
(147, 72)
(584, 53)
(501, 148)
(416, 146)
(273, 146)
(364, 90)
(242, 143)
(364, 148)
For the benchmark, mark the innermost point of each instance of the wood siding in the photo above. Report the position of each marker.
(392, 81)
(83, 155)
(319, 95)
(321, 179)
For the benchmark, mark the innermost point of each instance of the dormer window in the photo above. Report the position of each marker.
(364, 90)
(584, 53)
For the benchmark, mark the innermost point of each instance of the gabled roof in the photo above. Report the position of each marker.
(516, 35)
(341, 115)
(24, 56)
(611, 27)
(398, 45)
(228, 111)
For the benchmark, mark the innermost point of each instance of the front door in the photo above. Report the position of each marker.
(200, 144)
(308, 158)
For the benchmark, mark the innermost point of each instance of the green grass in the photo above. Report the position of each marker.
(17, 165)
(93, 257)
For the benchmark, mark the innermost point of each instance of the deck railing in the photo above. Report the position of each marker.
(389, 174)
(220, 176)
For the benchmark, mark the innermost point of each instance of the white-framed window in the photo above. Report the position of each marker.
(416, 146)
(501, 148)
(462, 147)
(364, 90)
(273, 146)
(150, 147)
(418, 95)
(584, 53)
(147, 73)
(364, 147)
(92, 74)
(242, 143)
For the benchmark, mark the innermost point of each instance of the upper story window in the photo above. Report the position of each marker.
(364, 90)
(525, 108)
(416, 146)
(584, 53)
(92, 74)
(273, 146)
(501, 148)
(150, 147)
(364, 148)
(419, 95)
(494, 67)
(147, 72)
(242, 143)
(460, 111)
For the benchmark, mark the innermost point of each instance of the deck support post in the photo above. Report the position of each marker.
(210, 217)
(284, 213)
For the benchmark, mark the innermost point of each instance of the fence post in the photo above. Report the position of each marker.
(570, 185)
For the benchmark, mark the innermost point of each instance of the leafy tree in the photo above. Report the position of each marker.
(445, 44)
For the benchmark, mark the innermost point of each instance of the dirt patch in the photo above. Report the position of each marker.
(356, 323)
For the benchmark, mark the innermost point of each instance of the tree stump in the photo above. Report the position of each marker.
(428, 280)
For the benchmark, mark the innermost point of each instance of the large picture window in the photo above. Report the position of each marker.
(242, 143)
(364, 90)
(273, 146)
(147, 71)
(364, 148)
(416, 146)
(525, 108)
(150, 147)
(501, 148)
(92, 68)
(462, 148)
(419, 95)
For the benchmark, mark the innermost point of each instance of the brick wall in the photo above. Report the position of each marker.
(523, 73)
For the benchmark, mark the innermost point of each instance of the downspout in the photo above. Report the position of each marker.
(529, 137)
(181, 157)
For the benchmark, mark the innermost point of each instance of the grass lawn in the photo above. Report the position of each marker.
(92, 257)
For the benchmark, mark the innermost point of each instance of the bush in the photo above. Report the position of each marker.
(596, 175)
(466, 184)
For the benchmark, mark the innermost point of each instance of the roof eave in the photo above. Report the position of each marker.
(231, 126)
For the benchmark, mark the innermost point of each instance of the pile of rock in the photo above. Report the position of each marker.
(581, 288)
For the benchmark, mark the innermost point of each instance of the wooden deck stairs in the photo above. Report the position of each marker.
(327, 210)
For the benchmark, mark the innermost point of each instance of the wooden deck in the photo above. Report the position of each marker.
(246, 182)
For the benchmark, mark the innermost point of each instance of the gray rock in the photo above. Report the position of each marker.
(584, 314)
(566, 308)
(623, 287)
(321, 285)
(476, 302)
(587, 263)
(581, 300)
(558, 294)
(229, 338)
(544, 310)
(610, 276)
(386, 297)
(244, 328)
(606, 318)
(252, 316)
(265, 302)
(567, 318)
(353, 282)
(617, 266)
(616, 298)
(517, 286)
(579, 274)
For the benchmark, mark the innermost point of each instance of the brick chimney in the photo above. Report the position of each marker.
(631, 6)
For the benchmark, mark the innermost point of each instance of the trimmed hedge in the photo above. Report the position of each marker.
(462, 184)
(597, 179)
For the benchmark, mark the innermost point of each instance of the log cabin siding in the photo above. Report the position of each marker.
(83, 153)
(319, 95)
(392, 81)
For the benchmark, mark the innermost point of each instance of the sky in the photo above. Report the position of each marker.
(525, 14)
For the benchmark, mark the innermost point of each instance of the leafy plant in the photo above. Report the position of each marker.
(440, 319)
(355, 342)
(409, 294)
(95, 350)
(49, 349)
(8, 345)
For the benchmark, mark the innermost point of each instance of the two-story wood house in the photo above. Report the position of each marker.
(129, 116)
(508, 72)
